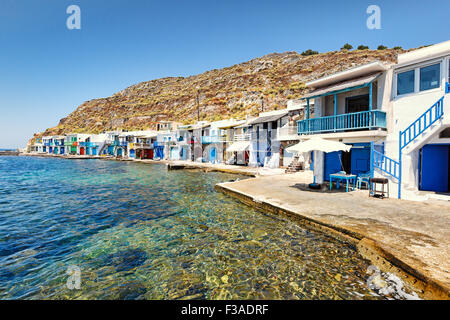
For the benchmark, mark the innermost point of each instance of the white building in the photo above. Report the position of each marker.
(421, 117)
(350, 107)
(396, 117)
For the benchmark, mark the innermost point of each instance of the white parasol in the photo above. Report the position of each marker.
(319, 144)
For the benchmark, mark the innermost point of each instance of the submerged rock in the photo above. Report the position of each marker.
(126, 259)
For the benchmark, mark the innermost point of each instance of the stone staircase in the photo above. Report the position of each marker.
(294, 166)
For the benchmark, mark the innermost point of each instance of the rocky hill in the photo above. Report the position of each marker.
(264, 83)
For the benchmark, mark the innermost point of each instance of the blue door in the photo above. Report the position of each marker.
(332, 164)
(434, 168)
(132, 153)
(94, 151)
(212, 155)
(360, 158)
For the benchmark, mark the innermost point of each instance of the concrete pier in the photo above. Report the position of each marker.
(407, 238)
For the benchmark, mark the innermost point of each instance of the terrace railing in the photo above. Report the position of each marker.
(89, 144)
(447, 87)
(158, 144)
(242, 137)
(343, 122)
(210, 139)
(143, 145)
(287, 132)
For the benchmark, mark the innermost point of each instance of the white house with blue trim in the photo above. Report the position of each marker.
(419, 142)
(351, 107)
(396, 117)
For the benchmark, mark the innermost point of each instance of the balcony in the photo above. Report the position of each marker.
(210, 139)
(242, 137)
(287, 133)
(224, 138)
(142, 145)
(89, 144)
(343, 122)
(113, 143)
(158, 144)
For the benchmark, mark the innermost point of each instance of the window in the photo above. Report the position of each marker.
(429, 77)
(405, 82)
(421, 78)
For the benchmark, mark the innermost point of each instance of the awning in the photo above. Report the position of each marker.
(239, 146)
(319, 144)
(270, 118)
(349, 84)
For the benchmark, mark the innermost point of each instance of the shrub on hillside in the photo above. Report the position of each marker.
(362, 47)
(309, 52)
(347, 46)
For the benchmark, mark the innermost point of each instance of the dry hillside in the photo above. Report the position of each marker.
(234, 91)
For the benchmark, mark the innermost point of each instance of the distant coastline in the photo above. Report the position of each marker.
(9, 152)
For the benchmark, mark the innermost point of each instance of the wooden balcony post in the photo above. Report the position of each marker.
(307, 115)
(370, 106)
(335, 112)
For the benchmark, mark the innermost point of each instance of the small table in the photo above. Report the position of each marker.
(373, 191)
(341, 177)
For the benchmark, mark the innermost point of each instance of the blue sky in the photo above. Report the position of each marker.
(46, 70)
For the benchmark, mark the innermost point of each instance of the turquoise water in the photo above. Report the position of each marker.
(137, 231)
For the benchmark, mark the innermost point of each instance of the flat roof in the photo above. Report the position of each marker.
(352, 73)
(342, 86)
(269, 118)
(423, 54)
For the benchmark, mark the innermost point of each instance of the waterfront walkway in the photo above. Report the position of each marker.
(413, 236)
(250, 171)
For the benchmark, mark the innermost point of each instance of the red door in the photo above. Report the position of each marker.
(82, 151)
(151, 154)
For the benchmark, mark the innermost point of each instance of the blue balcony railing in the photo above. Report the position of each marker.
(210, 139)
(343, 122)
(447, 87)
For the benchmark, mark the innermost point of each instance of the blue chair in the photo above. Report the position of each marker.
(363, 178)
